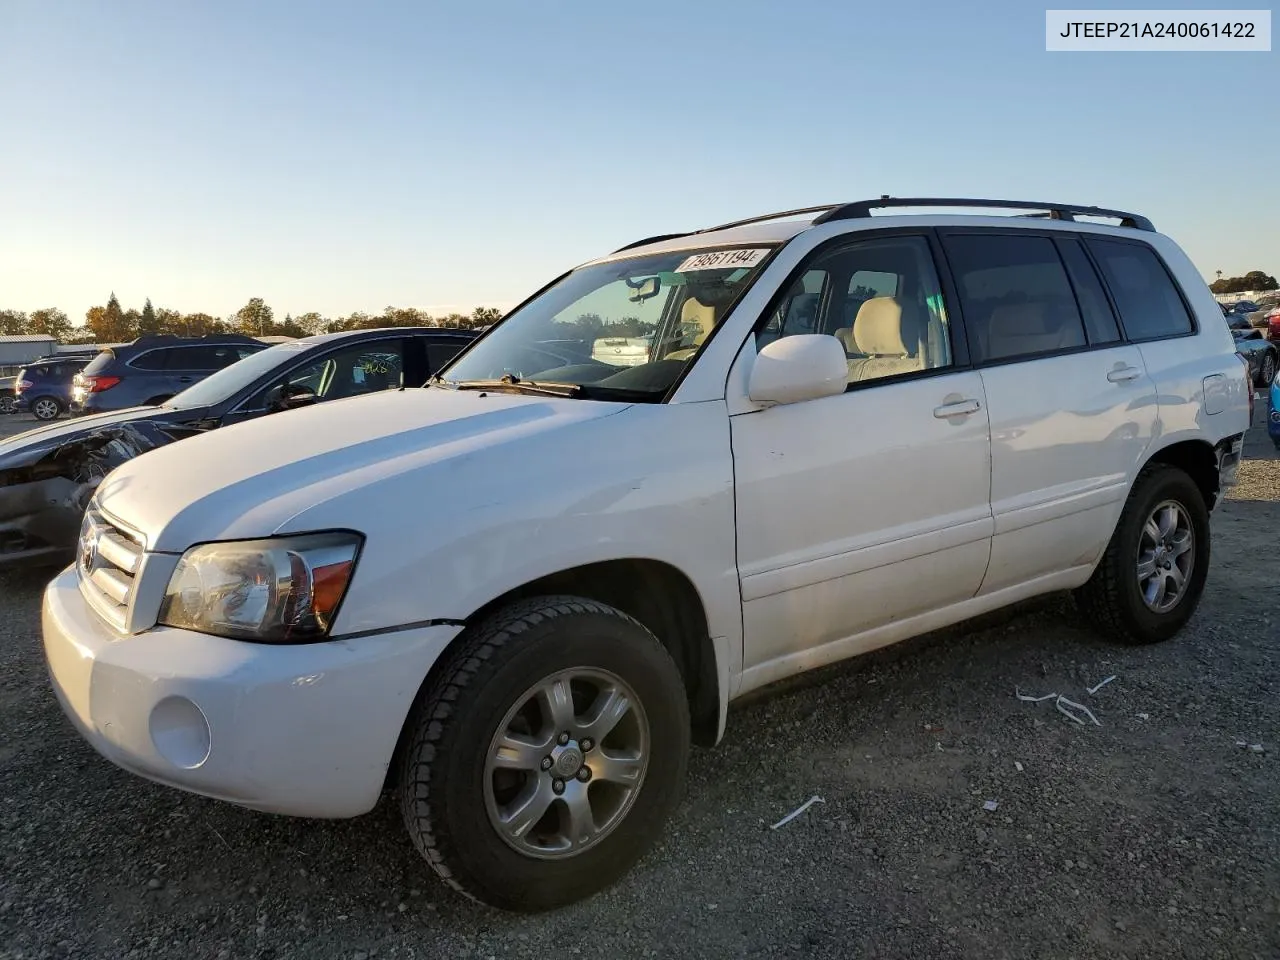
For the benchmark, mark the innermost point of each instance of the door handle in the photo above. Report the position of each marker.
(961, 408)
(1121, 374)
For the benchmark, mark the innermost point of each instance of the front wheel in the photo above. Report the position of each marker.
(46, 408)
(1153, 572)
(547, 756)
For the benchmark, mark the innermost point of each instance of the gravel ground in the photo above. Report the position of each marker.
(1152, 835)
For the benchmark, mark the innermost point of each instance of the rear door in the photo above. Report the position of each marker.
(1072, 408)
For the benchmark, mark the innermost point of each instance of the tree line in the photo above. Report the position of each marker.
(111, 323)
(1255, 281)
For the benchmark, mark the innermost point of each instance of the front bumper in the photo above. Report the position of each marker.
(305, 730)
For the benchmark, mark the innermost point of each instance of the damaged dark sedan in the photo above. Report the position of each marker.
(48, 474)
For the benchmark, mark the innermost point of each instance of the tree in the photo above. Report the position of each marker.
(483, 316)
(253, 319)
(109, 324)
(312, 323)
(200, 324)
(13, 323)
(51, 322)
(1255, 281)
(290, 328)
(148, 325)
(167, 321)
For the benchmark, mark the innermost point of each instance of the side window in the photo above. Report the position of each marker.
(1099, 320)
(190, 358)
(881, 299)
(440, 353)
(1148, 302)
(348, 372)
(798, 312)
(1016, 297)
(151, 360)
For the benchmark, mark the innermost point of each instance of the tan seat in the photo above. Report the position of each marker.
(878, 333)
(845, 336)
(1026, 328)
(701, 319)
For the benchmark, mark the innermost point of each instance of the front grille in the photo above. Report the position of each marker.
(108, 559)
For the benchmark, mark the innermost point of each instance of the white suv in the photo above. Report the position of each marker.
(516, 597)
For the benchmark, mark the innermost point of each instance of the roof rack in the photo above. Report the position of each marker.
(822, 208)
(658, 239)
(1053, 211)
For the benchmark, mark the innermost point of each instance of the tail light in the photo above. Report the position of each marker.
(98, 384)
(1248, 383)
(22, 385)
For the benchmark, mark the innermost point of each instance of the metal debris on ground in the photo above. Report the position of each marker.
(990, 805)
(1018, 765)
(796, 812)
(1094, 689)
(1065, 706)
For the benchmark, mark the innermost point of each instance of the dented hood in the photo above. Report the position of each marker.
(250, 479)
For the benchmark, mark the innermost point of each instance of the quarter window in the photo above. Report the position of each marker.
(1149, 305)
(1016, 297)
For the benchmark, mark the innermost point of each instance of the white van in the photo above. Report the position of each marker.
(516, 597)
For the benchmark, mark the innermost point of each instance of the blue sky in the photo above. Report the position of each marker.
(342, 156)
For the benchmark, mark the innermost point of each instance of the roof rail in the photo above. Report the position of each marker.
(1054, 211)
(658, 239)
(825, 207)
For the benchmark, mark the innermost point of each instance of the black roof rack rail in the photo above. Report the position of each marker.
(658, 239)
(1054, 211)
(772, 216)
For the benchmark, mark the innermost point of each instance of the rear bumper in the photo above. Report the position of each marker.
(1229, 453)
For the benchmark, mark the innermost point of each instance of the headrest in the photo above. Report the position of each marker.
(877, 330)
(697, 314)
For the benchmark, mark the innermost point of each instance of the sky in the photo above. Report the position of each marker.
(335, 156)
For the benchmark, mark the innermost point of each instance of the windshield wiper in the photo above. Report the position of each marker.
(511, 383)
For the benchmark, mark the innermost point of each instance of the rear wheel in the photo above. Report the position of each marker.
(547, 756)
(46, 408)
(1153, 572)
(1267, 373)
(8, 404)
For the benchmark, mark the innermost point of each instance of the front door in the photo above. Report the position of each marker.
(872, 506)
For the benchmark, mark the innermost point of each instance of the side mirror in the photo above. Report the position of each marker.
(808, 366)
(290, 396)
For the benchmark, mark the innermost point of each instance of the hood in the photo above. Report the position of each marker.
(31, 446)
(249, 479)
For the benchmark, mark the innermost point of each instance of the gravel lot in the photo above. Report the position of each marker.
(1152, 835)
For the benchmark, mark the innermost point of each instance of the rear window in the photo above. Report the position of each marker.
(1149, 304)
(100, 362)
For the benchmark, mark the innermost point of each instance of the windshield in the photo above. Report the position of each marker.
(622, 329)
(231, 380)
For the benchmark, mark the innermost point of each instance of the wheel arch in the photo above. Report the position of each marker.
(1197, 459)
(654, 592)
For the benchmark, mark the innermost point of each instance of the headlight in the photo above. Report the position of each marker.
(280, 590)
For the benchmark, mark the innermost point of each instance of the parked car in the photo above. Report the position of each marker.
(515, 598)
(8, 396)
(150, 370)
(43, 387)
(1273, 413)
(48, 474)
(1262, 355)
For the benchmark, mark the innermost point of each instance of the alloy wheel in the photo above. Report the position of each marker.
(1166, 556)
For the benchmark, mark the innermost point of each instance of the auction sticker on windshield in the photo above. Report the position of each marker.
(722, 260)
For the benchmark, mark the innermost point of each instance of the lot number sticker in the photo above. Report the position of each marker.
(722, 260)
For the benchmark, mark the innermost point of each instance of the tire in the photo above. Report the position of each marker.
(46, 408)
(8, 404)
(1267, 372)
(450, 794)
(1113, 598)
